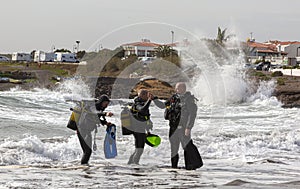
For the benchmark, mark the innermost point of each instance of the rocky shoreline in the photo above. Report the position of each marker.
(287, 92)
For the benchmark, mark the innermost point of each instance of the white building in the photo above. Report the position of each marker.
(144, 48)
(40, 56)
(21, 57)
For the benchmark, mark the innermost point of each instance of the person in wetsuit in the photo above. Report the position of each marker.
(88, 123)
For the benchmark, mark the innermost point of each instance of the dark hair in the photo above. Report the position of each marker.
(99, 102)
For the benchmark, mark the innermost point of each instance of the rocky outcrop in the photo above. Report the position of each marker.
(128, 87)
(288, 91)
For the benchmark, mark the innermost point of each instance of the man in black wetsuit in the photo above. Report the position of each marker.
(87, 124)
(181, 112)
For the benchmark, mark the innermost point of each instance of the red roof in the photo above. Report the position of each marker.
(262, 45)
(142, 44)
(276, 42)
(267, 51)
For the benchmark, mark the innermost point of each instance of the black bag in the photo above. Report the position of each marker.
(192, 157)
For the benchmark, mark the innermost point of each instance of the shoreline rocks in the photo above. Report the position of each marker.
(287, 88)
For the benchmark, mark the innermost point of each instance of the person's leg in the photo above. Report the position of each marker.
(174, 142)
(85, 143)
(184, 140)
(140, 139)
(188, 157)
(130, 161)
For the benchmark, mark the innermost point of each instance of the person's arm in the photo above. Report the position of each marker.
(101, 113)
(192, 110)
(103, 121)
(143, 109)
(159, 103)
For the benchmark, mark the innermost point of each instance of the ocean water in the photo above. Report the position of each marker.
(250, 144)
(245, 137)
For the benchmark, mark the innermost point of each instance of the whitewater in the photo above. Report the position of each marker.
(246, 139)
(253, 144)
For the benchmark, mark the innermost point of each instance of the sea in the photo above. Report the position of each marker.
(245, 137)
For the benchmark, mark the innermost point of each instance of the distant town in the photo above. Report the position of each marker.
(274, 51)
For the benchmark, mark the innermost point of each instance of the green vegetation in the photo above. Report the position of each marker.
(164, 51)
(30, 80)
(63, 50)
(57, 69)
(277, 74)
(5, 74)
(258, 61)
(291, 67)
(280, 81)
(80, 54)
(261, 75)
(221, 36)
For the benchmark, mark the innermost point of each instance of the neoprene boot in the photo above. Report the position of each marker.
(86, 156)
(130, 161)
(174, 161)
(137, 155)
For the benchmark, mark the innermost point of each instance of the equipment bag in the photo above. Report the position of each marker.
(72, 123)
(126, 121)
(74, 118)
(192, 157)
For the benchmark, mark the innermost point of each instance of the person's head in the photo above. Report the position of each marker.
(143, 94)
(180, 88)
(103, 102)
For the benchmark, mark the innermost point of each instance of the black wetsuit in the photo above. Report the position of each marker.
(85, 134)
(141, 124)
(183, 119)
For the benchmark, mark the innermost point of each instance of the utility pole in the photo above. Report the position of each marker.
(172, 32)
(77, 45)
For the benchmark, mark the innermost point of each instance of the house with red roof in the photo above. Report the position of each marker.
(143, 48)
(290, 48)
(269, 51)
(281, 45)
(262, 49)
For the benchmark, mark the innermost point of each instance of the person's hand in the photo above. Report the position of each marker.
(109, 114)
(187, 132)
(150, 96)
(108, 124)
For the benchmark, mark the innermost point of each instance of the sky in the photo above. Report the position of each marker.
(28, 25)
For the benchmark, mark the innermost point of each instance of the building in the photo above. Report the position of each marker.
(268, 51)
(143, 48)
(282, 45)
(291, 50)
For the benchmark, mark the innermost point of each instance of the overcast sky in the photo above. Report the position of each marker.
(28, 25)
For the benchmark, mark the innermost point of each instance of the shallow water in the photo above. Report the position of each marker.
(251, 144)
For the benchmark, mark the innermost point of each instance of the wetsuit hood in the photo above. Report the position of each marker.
(99, 102)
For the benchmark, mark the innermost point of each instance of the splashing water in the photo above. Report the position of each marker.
(222, 79)
(74, 89)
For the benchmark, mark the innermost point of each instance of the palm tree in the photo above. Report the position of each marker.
(221, 37)
(165, 51)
